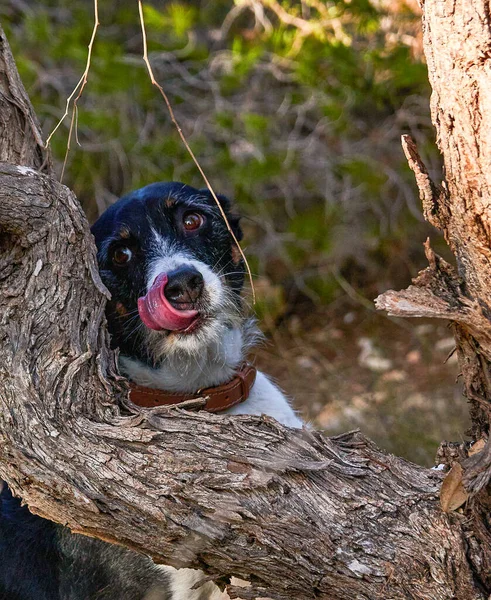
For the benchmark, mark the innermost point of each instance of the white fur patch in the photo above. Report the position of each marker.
(182, 581)
(221, 312)
(267, 399)
(168, 260)
(206, 361)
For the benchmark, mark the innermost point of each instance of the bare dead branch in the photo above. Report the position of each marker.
(21, 140)
(437, 293)
(428, 192)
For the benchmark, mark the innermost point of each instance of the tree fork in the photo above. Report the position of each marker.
(298, 514)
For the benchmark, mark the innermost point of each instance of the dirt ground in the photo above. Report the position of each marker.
(348, 367)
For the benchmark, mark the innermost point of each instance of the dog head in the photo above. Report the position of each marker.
(172, 268)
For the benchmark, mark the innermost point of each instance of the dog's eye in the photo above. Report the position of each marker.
(192, 221)
(122, 256)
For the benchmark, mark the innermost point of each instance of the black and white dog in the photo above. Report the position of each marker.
(176, 315)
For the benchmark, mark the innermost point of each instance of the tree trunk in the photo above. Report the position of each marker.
(298, 514)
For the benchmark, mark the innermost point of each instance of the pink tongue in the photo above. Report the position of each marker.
(157, 313)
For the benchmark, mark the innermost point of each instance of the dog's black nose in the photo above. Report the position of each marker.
(184, 285)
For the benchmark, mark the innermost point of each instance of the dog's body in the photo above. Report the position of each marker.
(175, 277)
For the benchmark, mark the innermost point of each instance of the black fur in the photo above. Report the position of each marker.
(43, 561)
(29, 553)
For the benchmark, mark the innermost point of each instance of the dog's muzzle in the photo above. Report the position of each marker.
(168, 303)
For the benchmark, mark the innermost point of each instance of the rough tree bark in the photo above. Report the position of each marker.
(457, 42)
(300, 515)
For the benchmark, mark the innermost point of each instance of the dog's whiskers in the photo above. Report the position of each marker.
(139, 326)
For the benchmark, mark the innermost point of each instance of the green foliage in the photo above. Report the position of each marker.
(298, 117)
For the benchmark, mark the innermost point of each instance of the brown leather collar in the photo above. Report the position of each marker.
(217, 398)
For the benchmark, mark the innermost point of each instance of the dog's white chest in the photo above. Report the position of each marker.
(266, 399)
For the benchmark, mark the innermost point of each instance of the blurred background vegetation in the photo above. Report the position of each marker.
(295, 110)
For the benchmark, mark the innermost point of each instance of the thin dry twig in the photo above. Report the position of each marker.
(307, 27)
(188, 148)
(80, 87)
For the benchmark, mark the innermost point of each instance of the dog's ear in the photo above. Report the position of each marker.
(233, 218)
(234, 221)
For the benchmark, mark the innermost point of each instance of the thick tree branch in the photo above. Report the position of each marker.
(21, 141)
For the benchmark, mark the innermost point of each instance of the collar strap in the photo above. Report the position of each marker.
(218, 398)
